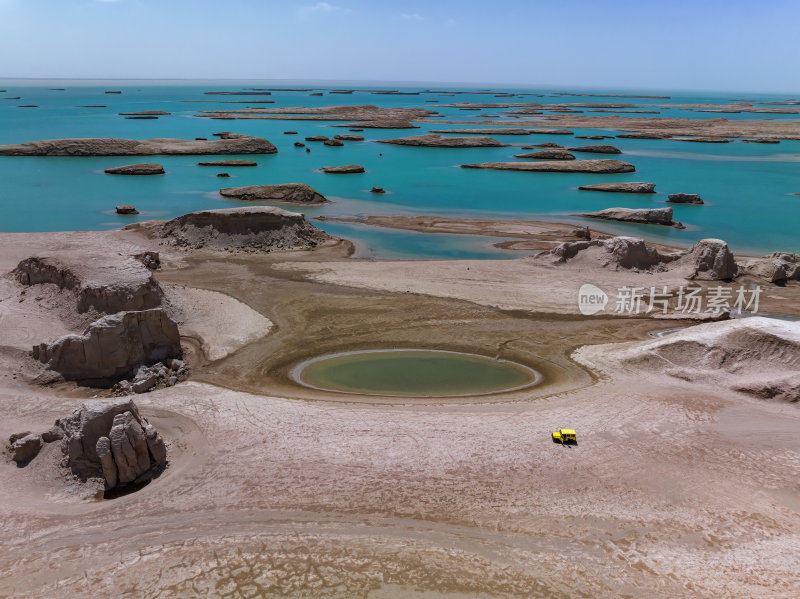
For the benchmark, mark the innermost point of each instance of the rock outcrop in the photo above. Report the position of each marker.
(294, 193)
(349, 137)
(250, 229)
(711, 260)
(317, 138)
(348, 169)
(230, 143)
(112, 347)
(645, 216)
(601, 149)
(685, 198)
(333, 143)
(563, 166)
(225, 163)
(148, 378)
(433, 140)
(778, 267)
(110, 439)
(616, 252)
(626, 187)
(136, 169)
(108, 287)
(23, 447)
(126, 209)
(554, 154)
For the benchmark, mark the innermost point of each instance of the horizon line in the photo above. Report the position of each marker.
(457, 84)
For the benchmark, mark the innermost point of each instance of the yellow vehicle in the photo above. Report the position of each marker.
(564, 436)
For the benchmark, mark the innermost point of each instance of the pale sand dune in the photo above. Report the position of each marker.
(221, 324)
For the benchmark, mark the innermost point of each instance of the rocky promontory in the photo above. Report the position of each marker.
(136, 169)
(102, 286)
(433, 140)
(294, 193)
(228, 144)
(249, 229)
(565, 166)
(626, 187)
(645, 216)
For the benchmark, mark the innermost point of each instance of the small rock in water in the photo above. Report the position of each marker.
(299, 144)
(685, 198)
(290, 132)
(126, 209)
(223, 175)
(377, 190)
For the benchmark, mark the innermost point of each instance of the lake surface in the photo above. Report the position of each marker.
(413, 373)
(748, 188)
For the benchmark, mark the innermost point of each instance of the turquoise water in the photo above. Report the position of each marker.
(747, 187)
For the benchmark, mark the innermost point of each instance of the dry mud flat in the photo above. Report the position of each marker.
(274, 490)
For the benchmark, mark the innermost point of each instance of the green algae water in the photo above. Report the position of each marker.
(413, 373)
(748, 188)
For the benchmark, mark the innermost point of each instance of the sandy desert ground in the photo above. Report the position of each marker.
(678, 487)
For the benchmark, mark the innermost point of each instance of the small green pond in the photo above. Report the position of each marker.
(413, 373)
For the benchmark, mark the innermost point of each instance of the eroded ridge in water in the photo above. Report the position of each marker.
(413, 373)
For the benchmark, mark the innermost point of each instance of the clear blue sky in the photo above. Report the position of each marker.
(731, 45)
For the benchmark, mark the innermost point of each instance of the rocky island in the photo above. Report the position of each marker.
(228, 144)
(439, 141)
(293, 193)
(565, 166)
(645, 216)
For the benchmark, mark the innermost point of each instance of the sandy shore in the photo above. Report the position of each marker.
(676, 489)
(525, 235)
